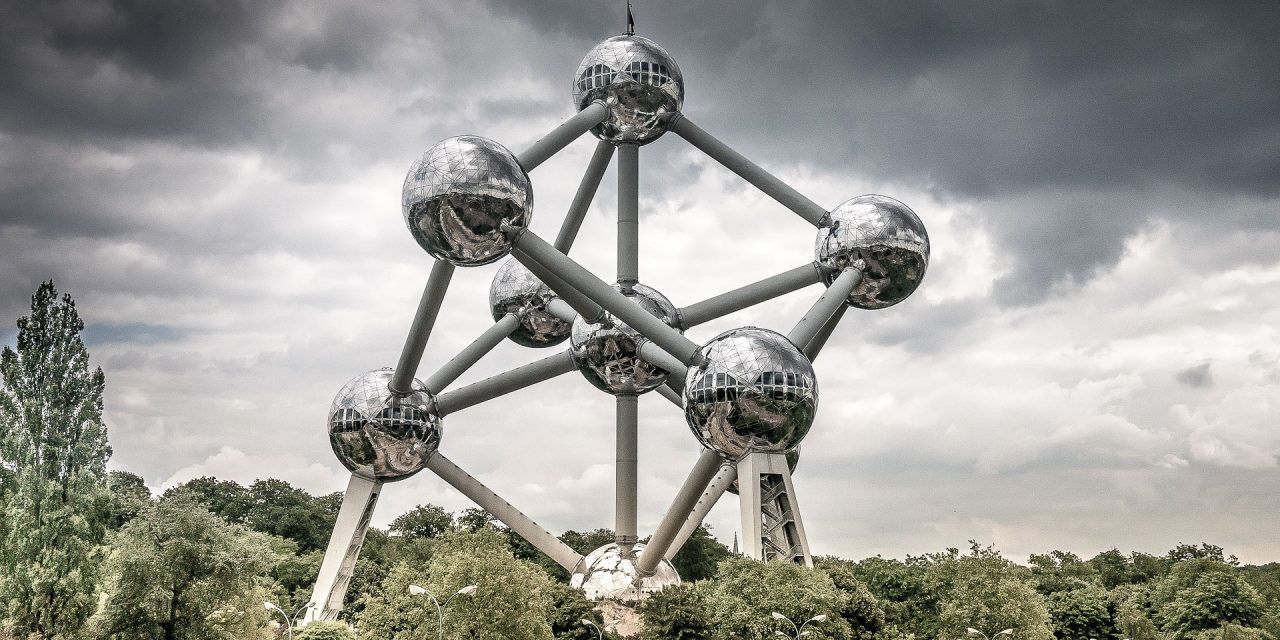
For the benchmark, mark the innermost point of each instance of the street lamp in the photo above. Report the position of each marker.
(975, 632)
(419, 591)
(799, 629)
(288, 619)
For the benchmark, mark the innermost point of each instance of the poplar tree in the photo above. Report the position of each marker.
(53, 445)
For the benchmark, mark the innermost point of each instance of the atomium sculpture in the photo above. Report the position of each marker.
(749, 395)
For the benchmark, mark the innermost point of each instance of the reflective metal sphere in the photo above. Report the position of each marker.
(754, 391)
(458, 195)
(607, 574)
(607, 353)
(793, 459)
(639, 83)
(381, 436)
(516, 290)
(886, 235)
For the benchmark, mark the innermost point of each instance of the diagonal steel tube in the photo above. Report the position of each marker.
(472, 353)
(581, 304)
(504, 383)
(749, 171)
(719, 485)
(582, 199)
(746, 296)
(628, 216)
(825, 307)
(533, 251)
(626, 474)
(423, 320)
(567, 132)
(703, 472)
(815, 345)
(669, 394)
(502, 510)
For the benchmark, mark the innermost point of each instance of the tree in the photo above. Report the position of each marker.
(747, 592)
(425, 521)
(54, 444)
(861, 609)
(984, 591)
(179, 572)
(281, 509)
(569, 607)
(326, 631)
(128, 496)
(585, 543)
(1080, 614)
(1204, 593)
(697, 559)
(902, 588)
(225, 498)
(1061, 571)
(678, 612)
(512, 599)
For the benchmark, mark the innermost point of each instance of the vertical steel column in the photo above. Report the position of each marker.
(628, 216)
(531, 531)
(343, 550)
(472, 353)
(626, 473)
(423, 320)
(703, 472)
(582, 199)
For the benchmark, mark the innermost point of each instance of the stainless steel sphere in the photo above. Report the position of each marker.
(381, 436)
(516, 290)
(639, 83)
(608, 352)
(887, 236)
(457, 196)
(793, 459)
(609, 574)
(754, 391)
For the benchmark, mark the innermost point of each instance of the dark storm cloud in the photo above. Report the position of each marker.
(1196, 376)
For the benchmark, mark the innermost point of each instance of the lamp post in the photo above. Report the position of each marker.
(599, 631)
(288, 619)
(798, 629)
(975, 632)
(419, 591)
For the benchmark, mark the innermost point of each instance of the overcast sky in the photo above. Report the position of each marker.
(1092, 361)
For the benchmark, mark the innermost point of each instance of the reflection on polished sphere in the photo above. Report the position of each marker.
(516, 290)
(608, 352)
(458, 195)
(638, 82)
(887, 236)
(793, 459)
(378, 435)
(754, 391)
(608, 574)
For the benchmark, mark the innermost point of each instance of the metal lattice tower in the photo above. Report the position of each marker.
(749, 395)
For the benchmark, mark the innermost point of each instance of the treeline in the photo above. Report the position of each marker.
(86, 554)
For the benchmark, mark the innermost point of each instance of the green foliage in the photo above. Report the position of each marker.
(902, 589)
(1232, 632)
(568, 608)
(585, 543)
(1205, 593)
(325, 631)
(861, 608)
(984, 591)
(128, 495)
(426, 521)
(53, 447)
(676, 613)
(746, 592)
(698, 558)
(179, 572)
(512, 601)
(280, 509)
(1061, 571)
(225, 498)
(1080, 614)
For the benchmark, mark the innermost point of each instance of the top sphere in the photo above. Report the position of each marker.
(458, 195)
(608, 353)
(516, 290)
(379, 435)
(887, 236)
(639, 83)
(753, 392)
